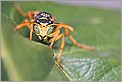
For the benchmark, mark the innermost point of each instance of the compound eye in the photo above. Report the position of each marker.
(50, 29)
(36, 28)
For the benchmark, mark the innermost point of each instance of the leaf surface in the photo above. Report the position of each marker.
(24, 59)
(93, 27)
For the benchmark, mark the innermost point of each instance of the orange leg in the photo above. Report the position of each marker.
(31, 29)
(30, 14)
(26, 23)
(55, 34)
(76, 43)
(81, 45)
(66, 27)
(61, 48)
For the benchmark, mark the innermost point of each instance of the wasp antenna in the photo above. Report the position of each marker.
(67, 26)
(18, 8)
(71, 28)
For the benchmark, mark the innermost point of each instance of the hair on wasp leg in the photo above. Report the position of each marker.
(44, 25)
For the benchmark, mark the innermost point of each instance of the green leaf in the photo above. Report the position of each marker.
(82, 68)
(4, 76)
(93, 26)
(100, 28)
(56, 75)
(24, 59)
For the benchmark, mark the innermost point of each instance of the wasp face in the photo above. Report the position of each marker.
(43, 27)
(43, 30)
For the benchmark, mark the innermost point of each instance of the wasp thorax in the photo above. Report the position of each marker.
(43, 15)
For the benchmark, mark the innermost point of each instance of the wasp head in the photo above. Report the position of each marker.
(43, 27)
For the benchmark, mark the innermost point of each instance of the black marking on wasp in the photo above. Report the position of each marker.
(43, 21)
(43, 15)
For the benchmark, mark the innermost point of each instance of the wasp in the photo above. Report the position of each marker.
(45, 26)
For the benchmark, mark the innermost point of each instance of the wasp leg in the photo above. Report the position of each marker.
(76, 43)
(20, 10)
(54, 35)
(30, 14)
(81, 45)
(31, 29)
(52, 40)
(66, 27)
(61, 48)
(26, 23)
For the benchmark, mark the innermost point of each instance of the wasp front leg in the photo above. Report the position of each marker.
(26, 23)
(52, 40)
(54, 35)
(61, 47)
